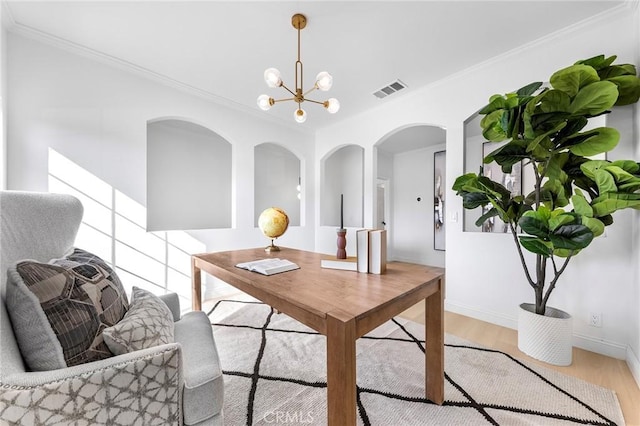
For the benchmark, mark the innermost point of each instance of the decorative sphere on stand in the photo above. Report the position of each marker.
(273, 222)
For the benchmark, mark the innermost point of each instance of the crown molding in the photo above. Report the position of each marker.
(26, 31)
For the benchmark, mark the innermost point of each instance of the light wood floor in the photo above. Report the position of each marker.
(588, 366)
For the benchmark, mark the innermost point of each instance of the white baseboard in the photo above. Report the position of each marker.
(634, 364)
(600, 346)
(492, 317)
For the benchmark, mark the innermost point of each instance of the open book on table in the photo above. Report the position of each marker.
(268, 266)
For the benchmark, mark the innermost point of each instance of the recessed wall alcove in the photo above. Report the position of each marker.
(277, 181)
(342, 172)
(188, 177)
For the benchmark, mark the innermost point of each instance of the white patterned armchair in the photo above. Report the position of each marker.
(170, 384)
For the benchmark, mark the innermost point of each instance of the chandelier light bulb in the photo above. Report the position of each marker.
(324, 81)
(332, 105)
(264, 102)
(272, 77)
(300, 115)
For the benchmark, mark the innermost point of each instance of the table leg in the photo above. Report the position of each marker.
(434, 344)
(341, 371)
(196, 286)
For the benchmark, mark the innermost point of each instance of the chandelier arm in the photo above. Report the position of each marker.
(283, 99)
(287, 89)
(309, 91)
(315, 102)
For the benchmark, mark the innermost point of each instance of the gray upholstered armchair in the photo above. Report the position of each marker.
(170, 384)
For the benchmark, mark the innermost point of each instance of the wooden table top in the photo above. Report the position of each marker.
(316, 291)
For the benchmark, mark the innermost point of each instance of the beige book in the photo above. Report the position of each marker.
(362, 249)
(348, 264)
(377, 251)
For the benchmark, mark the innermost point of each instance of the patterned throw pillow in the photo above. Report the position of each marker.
(59, 309)
(147, 323)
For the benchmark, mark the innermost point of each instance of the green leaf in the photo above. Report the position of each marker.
(589, 168)
(629, 187)
(534, 144)
(602, 139)
(616, 71)
(628, 166)
(605, 181)
(628, 89)
(610, 202)
(536, 246)
(574, 77)
(492, 128)
(571, 237)
(581, 205)
(562, 219)
(489, 214)
(574, 125)
(472, 200)
(529, 89)
(595, 225)
(509, 154)
(464, 180)
(598, 62)
(554, 101)
(535, 223)
(555, 167)
(620, 175)
(565, 252)
(594, 99)
(496, 102)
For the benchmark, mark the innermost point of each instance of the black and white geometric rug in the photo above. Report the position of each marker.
(275, 373)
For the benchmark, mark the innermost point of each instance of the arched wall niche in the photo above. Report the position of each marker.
(189, 176)
(342, 173)
(277, 181)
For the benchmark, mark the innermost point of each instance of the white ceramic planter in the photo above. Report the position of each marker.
(545, 337)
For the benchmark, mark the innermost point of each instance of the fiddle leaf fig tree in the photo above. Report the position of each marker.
(573, 196)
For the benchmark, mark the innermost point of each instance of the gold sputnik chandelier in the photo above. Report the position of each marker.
(323, 82)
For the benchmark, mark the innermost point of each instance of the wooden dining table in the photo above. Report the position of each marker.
(343, 306)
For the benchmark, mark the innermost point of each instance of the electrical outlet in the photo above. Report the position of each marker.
(595, 319)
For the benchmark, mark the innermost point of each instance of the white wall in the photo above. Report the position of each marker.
(96, 115)
(412, 225)
(484, 278)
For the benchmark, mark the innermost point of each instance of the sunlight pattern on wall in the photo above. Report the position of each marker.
(114, 228)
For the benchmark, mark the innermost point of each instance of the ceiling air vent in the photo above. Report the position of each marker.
(389, 89)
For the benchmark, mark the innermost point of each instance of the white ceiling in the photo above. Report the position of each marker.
(220, 49)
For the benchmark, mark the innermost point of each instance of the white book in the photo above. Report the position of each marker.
(268, 266)
(362, 249)
(348, 264)
(378, 251)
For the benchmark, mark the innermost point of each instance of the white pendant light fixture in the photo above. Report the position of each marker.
(323, 82)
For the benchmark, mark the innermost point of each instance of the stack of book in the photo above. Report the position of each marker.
(371, 247)
(371, 250)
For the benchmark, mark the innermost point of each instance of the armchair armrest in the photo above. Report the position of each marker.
(173, 302)
(138, 388)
